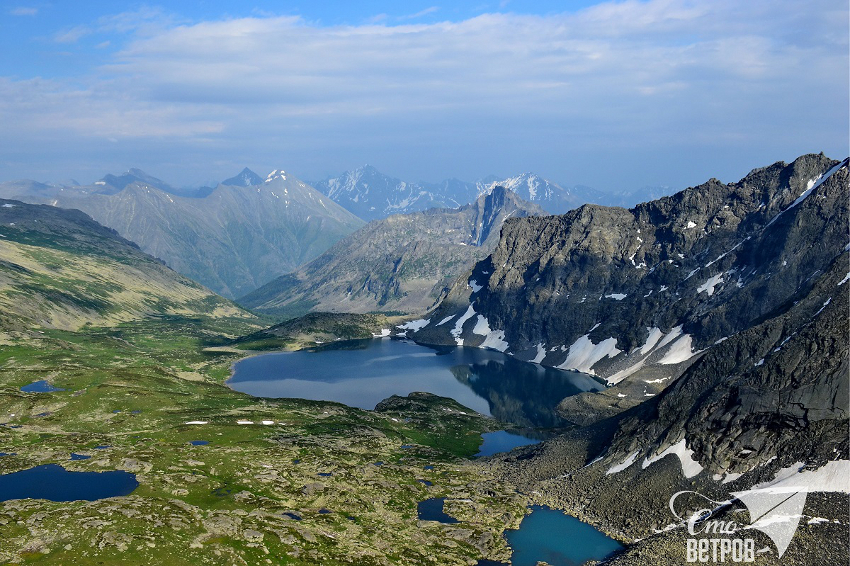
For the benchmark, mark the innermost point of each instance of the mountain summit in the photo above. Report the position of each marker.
(232, 239)
(405, 262)
(371, 195)
(246, 178)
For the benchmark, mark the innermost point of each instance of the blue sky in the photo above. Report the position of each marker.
(614, 95)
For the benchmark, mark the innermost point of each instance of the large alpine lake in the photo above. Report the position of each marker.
(364, 372)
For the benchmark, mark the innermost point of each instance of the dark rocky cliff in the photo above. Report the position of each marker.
(635, 296)
(719, 316)
(403, 263)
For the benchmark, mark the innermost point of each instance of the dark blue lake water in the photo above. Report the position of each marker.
(362, 373)
(558, 539)
(55, 483)
(432, 510)
(40, 386)
(502, 441)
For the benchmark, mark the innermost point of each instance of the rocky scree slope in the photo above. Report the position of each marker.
(766, 408)
(757, 396)
(404, 263)
(61, 269)
(635, 296)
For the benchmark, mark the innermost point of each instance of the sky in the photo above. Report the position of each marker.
(614, 95)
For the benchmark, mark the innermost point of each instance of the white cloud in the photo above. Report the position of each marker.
(420, 13)
(619, 76)
(23, 11)
(73, 34)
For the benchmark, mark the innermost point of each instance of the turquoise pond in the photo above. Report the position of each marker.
(551, 536)
(363, 373)
(503, 441)
(544, 535)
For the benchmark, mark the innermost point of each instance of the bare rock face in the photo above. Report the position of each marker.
(718, 316)
(405, 263)
(605, 290)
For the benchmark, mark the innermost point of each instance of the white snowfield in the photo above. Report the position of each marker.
(494, 339)
(415, 324)
(458, 329)
(690, 467)
(710, 284)
(679, 351)
(622, 465)
(834, 476)
(584, 354)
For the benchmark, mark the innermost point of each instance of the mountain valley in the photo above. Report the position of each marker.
(233, 239)
(401, 264)
(710, 328)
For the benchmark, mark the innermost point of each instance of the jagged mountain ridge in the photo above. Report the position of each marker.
(61, 269)
(371, 195)
(728, 363)
(549, 195)
(402, 263)
(634, 295)
(232, 240)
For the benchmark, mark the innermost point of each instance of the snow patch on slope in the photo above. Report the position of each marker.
(541, 353)
(655, 335)
(415, 325)
(623, 465)
(584, 354)
(710, 284)
(494, 339)
(833, 476)
(458, 329)
(679, 351)
(690, 467)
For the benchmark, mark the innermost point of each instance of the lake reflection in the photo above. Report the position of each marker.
(362, 373)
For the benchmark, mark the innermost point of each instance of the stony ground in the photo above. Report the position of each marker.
(281, 482)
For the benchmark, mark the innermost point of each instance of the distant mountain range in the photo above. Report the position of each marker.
(232, 239)
(248, 230)
(370, 194)
(403, 263)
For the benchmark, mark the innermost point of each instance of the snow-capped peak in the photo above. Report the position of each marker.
(276, 174)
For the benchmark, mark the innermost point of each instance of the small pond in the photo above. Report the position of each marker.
(558, 539)
(364, 372)
(432, 510)
(503, 441)
(55, 483)
(40, 386)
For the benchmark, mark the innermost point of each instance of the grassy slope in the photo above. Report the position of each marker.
(205, 504)
(134, 346)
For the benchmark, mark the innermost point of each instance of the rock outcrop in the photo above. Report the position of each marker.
(405, 263)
